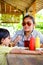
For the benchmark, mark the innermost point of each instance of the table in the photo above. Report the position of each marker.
(24, 59)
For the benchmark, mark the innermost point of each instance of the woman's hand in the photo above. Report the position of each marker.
(41, 46)
(18, 38)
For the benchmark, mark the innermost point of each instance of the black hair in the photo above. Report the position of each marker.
(29, 17)
(3, 34)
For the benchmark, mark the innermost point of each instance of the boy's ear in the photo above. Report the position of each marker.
(2, 40)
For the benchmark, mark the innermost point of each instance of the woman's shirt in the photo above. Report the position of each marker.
(21, 33)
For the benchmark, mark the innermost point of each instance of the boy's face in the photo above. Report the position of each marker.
(28, 24)
(6, 41)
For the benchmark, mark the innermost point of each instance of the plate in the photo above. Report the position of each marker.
(40, 49)
(16, 47)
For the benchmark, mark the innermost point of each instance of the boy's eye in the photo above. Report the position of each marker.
(9, 37)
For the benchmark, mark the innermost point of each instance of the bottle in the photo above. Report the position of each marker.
(37, 42)
(32, 43)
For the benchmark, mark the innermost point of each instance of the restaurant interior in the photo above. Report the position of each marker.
(10, 9)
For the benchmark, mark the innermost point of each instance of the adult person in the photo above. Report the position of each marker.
(27, 31)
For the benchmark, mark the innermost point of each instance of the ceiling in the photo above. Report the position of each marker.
(37, 5)
(20, 6)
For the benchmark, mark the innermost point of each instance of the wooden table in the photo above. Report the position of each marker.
(24, 59)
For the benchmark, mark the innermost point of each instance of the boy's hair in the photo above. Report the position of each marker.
(3, 34)
(29, 17)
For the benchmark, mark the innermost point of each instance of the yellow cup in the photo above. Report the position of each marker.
(37, 42)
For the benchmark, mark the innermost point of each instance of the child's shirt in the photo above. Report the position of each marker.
(3, 52)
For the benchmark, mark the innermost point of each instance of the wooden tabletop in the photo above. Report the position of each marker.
(21, 59)
(23, 51)
(25, 57)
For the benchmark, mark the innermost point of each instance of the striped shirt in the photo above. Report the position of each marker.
(21, 33)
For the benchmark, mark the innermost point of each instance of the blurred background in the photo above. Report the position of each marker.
(12, 12)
